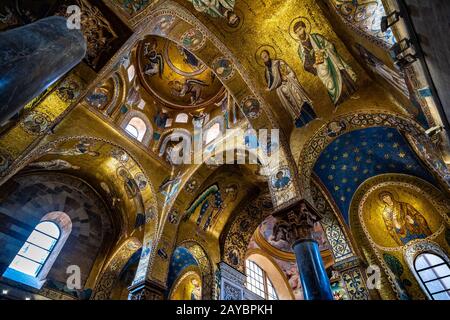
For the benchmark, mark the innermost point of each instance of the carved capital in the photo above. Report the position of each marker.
(296, 222)
(146, 291)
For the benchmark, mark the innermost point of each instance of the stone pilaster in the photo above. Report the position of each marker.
(232, 283)
(353, 275)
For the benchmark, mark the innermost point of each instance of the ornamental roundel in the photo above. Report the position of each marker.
(193, 40)
(251, 107)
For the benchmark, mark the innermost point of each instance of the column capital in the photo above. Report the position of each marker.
(296, 222)
(146, 290)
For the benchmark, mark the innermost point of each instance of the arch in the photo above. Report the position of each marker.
(212, 130)
(243, 153)
(131, 72)
(147, 197)
(172, 21)
(182, 118)
(181, 259)
(361, 154)
(185, 279)
(205, 266)
(119, 91)
(274, 273)
(342, 124)
(364, 18)
(120, 290)
(386, 255)
(182, 138)
(417, 250)
(138, 121)
(336, 231)
(110, 273)
(241, 229)
(36, 257)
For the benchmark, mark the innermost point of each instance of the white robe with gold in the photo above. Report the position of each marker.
(290, 92)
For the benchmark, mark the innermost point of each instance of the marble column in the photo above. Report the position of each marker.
(296, 223)
(32, 58)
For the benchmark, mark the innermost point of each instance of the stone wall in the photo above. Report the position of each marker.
(25, 199)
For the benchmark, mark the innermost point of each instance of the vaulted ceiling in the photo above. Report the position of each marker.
(130, 70)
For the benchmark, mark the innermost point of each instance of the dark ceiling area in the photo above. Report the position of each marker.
(431, 21)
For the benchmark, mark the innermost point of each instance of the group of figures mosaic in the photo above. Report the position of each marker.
(319, 57)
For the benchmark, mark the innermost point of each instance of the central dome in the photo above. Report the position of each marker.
(175, 76)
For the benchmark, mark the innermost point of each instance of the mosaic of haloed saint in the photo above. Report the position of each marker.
(320, 57)
(175, 75)
(396, 215)
(188, 288)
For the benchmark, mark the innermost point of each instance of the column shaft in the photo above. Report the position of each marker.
(32, 58)
(315, 282)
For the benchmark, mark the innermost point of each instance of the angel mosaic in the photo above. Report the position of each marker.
(190, 87)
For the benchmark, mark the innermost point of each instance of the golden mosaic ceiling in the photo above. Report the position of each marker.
(175, 76)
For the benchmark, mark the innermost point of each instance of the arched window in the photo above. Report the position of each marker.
(212, 133)
(137, 128)
(258, 281)
(35, 251)
(137, 125)
(35, 258)
(141, 104)
(434, 273)
(132, 130)
(131, 73)
(32, 263)
(182, 118)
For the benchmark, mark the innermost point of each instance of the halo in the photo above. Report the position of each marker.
(267, 47)
(393, 192)
(232, 29)
(293, 22)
